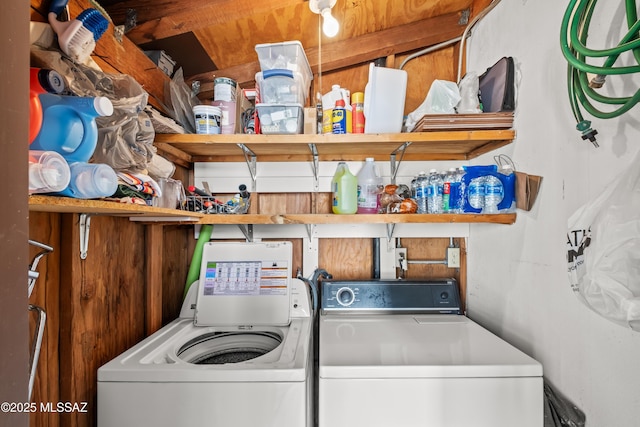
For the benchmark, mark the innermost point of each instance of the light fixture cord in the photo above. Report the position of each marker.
(320, 54)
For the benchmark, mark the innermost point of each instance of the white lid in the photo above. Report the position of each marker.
(244, 284)
(103, 106)
(430, 346)
(211, 109)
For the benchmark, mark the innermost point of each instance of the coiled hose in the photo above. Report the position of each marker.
(573, 38)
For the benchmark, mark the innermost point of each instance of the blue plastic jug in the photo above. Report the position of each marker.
(69, 126)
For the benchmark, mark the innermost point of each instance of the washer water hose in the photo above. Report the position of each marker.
(573, 38)
(196, 260)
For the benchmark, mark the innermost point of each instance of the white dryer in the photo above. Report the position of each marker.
(396, 353)
(240, 354)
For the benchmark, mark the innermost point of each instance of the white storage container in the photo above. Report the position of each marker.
(279, 86)
(280, 118)
(286, 55)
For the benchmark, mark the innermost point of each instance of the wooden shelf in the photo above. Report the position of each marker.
(189, 148)
(437, 145)
(357, 219)
(38, 203)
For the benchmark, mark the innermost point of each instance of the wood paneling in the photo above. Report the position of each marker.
(103, 305)
(45, 228)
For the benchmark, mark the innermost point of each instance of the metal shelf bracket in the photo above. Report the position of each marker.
(390, 228)
(85, 225)
(315, 166)
(247, 230)
(250, 158)
(392, 160)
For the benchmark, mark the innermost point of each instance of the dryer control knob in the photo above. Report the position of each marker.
(345, 296)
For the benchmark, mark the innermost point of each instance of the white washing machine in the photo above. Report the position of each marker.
(240, 354)
(396, 353)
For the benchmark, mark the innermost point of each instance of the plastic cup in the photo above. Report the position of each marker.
(48, 172)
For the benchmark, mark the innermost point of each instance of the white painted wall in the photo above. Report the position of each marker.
(517, 280)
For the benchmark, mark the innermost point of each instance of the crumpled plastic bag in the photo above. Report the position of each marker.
(603, 250)
(180, 101)
(442, 98)
(125, 138)
(559, 411)
(469, 88)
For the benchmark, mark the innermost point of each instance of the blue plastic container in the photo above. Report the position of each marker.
(69, 126)
(508, 183)
(90, 181)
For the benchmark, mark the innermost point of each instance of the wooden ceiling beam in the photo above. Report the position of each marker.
(171, 18)
(357, 50)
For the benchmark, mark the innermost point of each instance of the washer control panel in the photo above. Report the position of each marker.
(416, 296)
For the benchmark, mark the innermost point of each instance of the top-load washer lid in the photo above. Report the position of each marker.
(244, 284)
(416, 346)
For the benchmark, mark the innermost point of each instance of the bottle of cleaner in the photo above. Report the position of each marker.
(344, 189)
(369, 183)
(69, 126)
(339, 118)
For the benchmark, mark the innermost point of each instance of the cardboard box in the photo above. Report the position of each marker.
(310, 120)
(242, 105)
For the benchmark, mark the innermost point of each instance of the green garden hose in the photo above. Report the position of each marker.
(196, 260)
(573, 38)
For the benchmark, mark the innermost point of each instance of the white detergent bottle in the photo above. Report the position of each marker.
(369, 183)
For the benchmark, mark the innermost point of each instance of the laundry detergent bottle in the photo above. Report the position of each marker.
(344, 191)
(69, 126)
(41, 80)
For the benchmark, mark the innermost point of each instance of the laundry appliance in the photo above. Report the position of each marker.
(400, 353)
(240, 354)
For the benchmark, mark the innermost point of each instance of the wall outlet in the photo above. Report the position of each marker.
(453, 257)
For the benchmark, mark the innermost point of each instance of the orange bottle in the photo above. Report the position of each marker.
(357, 108)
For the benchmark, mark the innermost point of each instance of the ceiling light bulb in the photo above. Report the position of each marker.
(330, 25)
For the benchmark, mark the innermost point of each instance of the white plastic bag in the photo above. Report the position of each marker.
(603, 250)
(442, 98)
(469, 88)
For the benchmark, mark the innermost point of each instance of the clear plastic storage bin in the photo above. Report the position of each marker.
(282, 87)
(286, 55)
(280, 118)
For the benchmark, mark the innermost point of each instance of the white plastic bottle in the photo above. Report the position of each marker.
(448, 196)
(476, 192)
(493, 194)
(434, 192)
(369, 183)
(421, 186)
(508, 171)
(459, 190)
